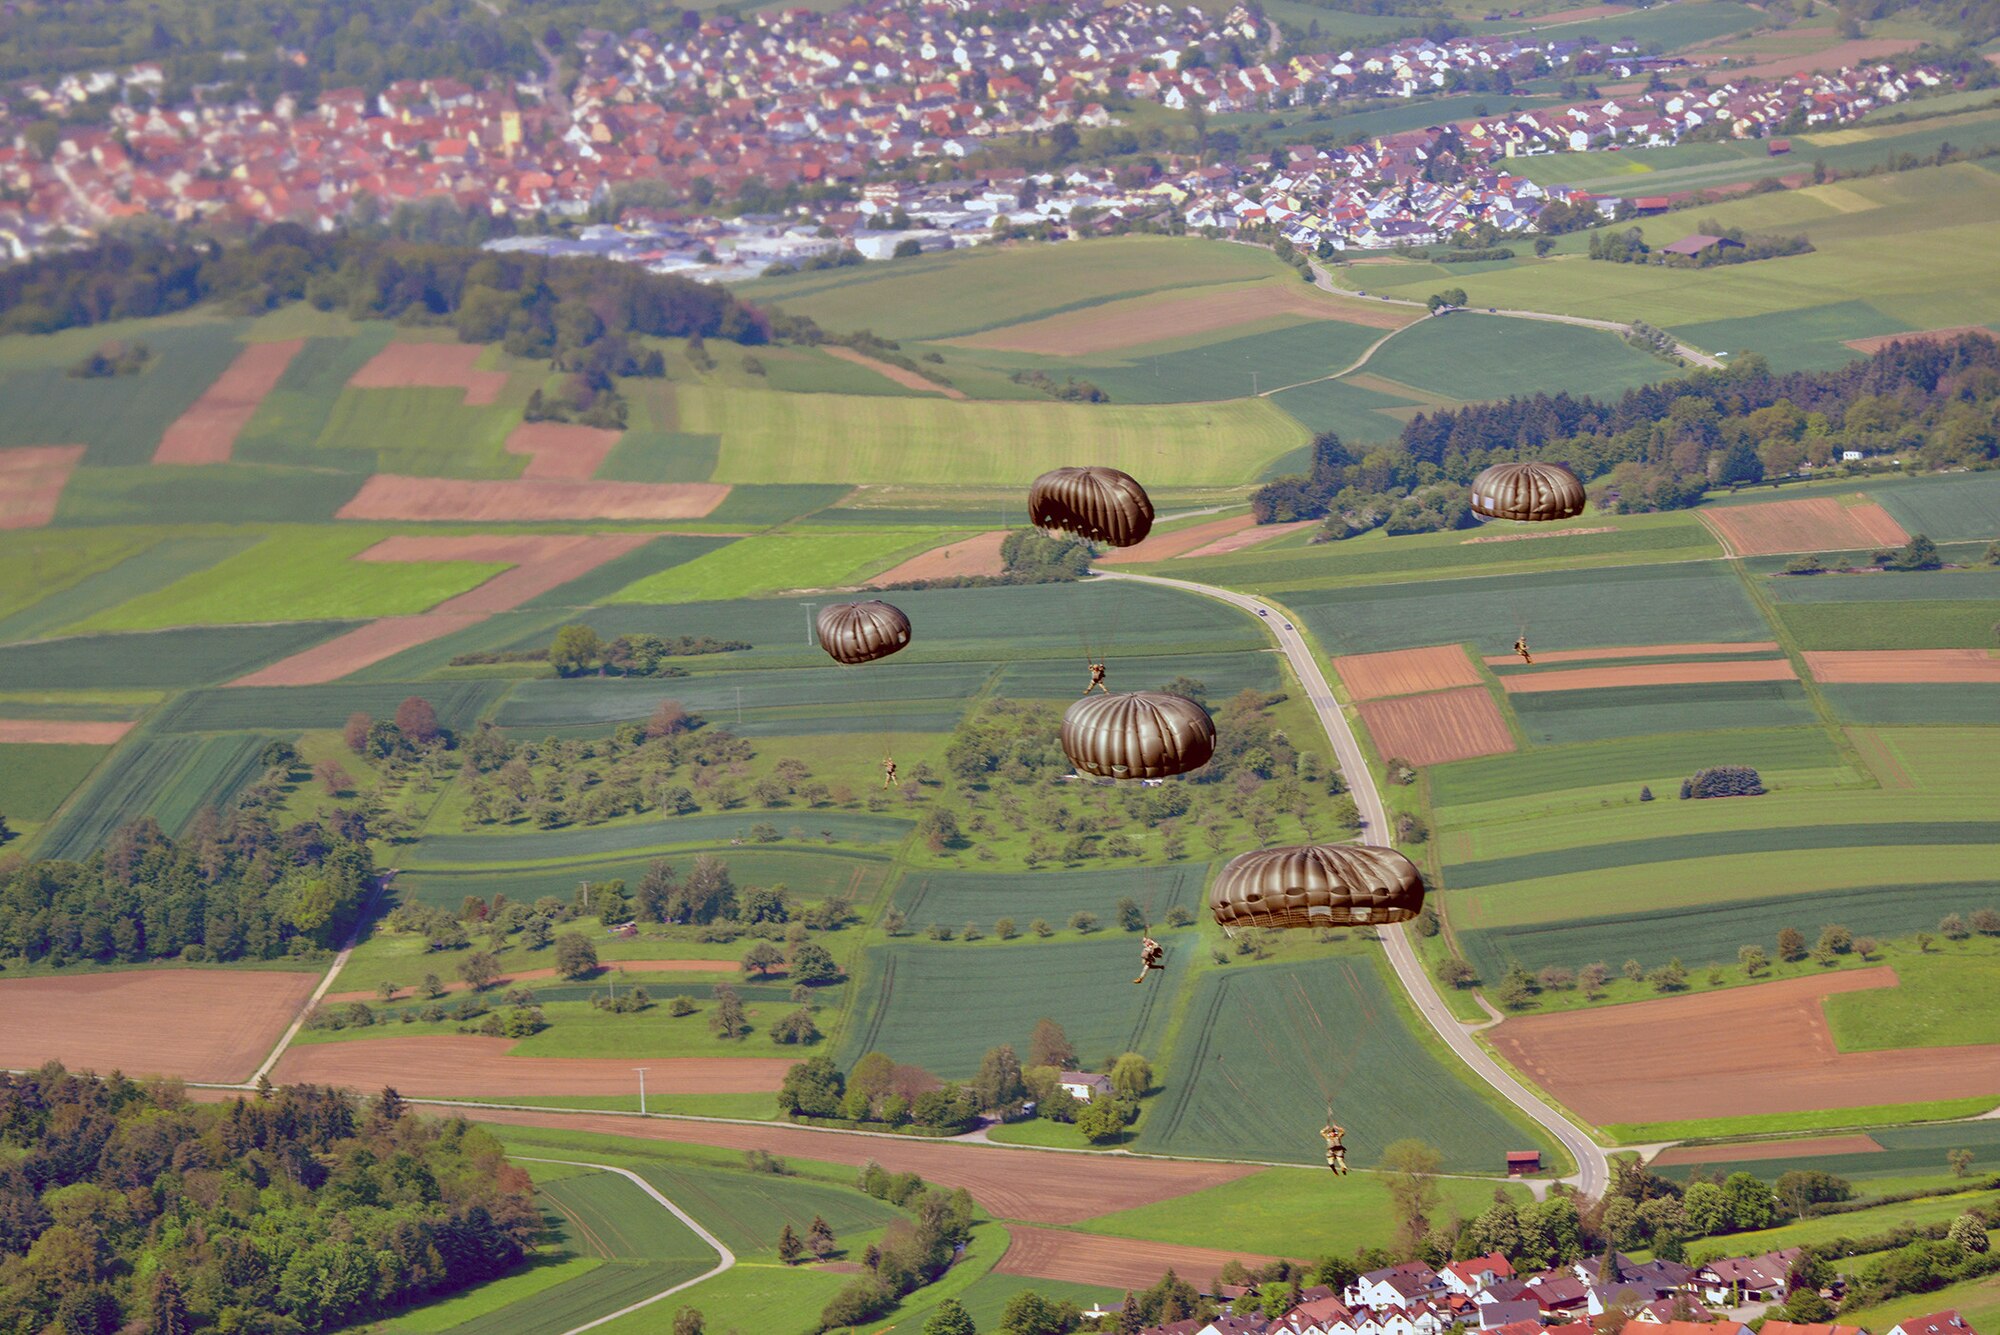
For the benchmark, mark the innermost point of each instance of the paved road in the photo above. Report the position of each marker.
(1594, 1170)
(726, 1258)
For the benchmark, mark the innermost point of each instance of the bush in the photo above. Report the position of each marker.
(1724, 781)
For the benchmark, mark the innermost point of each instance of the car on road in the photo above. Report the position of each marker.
(1288, 625)
(1263, 611)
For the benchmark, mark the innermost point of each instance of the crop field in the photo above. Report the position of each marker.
(1957, 509)
(295, 413)
(427, 432)
(770, 437)
(168, 778)
(1811, 338)
(195, 656)
(1246, 1043)
(1470, 356)
(196, 1024)
(157, 566)
(309, 708)
(207, 431)
(1557, 717)
(1557, 610)
(120, 418)
(884, 691)
(1889, 587)
(1919, 704)
(1939, 1001)
(231, 493)
(36, 566)
(1437, 728)
(1403, 672)
(954, 295)
(1906, 1151)
(809, 876)
(795, 559)
(1822, 524)
(1084, 986)
(35, 778)
(1698, 935)
(747, 1210)
(661, 554)
(1288, 356)
(1942, 624)
(1358, 415)
(1284, 1212)
(1628, 762)
(1637, 676)
(1223, 674)
(955, 897)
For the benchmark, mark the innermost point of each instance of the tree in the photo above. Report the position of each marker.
(355, 734)
(169, 1315)
(576, 649)
(1753, 959)
(812, 1088)
(1960, 1161)
(762, 958)
(1029, 1313)
(796, 1027)
(819, 1238)
(1591, 978)
(1791, 945)
(1130, 916)
(1050, 1046)
(332, 777)
(1083, 921)
(813, 965)
(1706, 1210)
(689, 1321)
(480, 970)
(575, 956)
(951, 1318)
(669, 719)
(431, 988)
(1969, 1232)
(1920, 554)
(1748, 1202)
(790, 1249)
(418, 721)
(1454, 971)
(1131, 1075)
(730, 1020)
(998, 1084)
(1411, 1167)
(1866, 946)
(1101, 1120)
(1953, 927)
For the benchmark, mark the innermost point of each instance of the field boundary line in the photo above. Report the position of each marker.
(726, 1259)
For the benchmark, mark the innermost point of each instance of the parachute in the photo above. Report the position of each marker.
(1316, 885)
(1532, 491)
(862, 632)
(1101, 504)
(1137, 735)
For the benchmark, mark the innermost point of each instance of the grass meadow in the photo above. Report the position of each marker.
(800, 558)
(1939, 1001)
(36, 778)
(136, 577)
(39, 565)
(1469, 356)
(190, 656)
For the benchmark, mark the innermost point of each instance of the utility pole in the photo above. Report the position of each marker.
(642, 1087)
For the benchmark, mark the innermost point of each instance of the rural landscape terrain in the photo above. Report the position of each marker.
(409, 687)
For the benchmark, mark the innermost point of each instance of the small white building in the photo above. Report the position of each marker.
(1084, 1086)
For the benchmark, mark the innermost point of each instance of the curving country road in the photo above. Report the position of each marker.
(1593, 1168)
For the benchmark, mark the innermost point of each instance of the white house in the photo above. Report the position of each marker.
(1394, 1286)
(1085, 1086)
(1947, 1322)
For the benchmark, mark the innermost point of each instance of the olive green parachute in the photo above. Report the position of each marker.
(1101, 504)
(1316, 885)
(1138, 735)
(862, 632)
(1532, 491)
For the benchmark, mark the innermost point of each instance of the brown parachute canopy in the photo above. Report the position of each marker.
(1533, 491)
(1101, 504)
(1138, 735)
(862, 632)
(1316, 885)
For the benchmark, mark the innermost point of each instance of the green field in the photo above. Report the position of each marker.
(942, 1006)
(312, 708)
(196, 656)
(1907, 1151)
(1359, 416)
(297, 575)
(808, 875)
(794, 559)
(1553, 718)
(35, 778)
(1977, 1301)
(769, 437)
(1471, 356)
(1298, 351)
(566, 848)
(1250, 1040)
(1667, 604)
(1956, 624)
(1939, 1001)
(1290, 1212)
(1957, 509)
(947, 296)
(295, 413)
(35, 565)
(603, 583)
(1920, 704)
(1891, 587)
(1859, 1224)
(429, 432)
(167, 778)
(121, 418)
(883, 693)
(1627, 761)
(952, 898)
(146, 572)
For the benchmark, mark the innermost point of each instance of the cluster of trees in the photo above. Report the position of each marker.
(1629, 247)
(1069, 389)
(638, 769)
(521, 1020)
(1451, 298)
(232, 887)
(113, 359)
(881, 1091)
(413, 731)
(1005, 1088)
(1649, 338)
(1910, 1260)
(1027, 556)
(578, 649)
(1660, 446)
(1919, 553)
(127, 1207)
(1723, 781)
(912, 1252)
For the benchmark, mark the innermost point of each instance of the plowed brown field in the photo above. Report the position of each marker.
(1850, 54)
(1406, 671)
(541, 562)
(1752, 1151)
(470, 1066)
(1881, 341)
(1903, 665)
(1823, 525)
(560, 450)
(432, 365)
(1139, 320)
(1530, 537)
(976, 555)
(1640, 651)
(206, 433)
(538, 975)
(426, 499)
(1179, 542)
(1034, 1185)
(60, 732)
(906, 378)
(1112, 1263)
(1762, 1049)
(1253, 536)
(197, 1024)
(1647, 674)
(31, 482)
(1432, 729)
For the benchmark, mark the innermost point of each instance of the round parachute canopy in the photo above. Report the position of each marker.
(1531, 491)
(1101, 504)
(1138, 735)
(862, 632)
(1317, 885)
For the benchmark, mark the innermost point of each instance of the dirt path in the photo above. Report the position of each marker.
(906, 378)
(1112, 1263)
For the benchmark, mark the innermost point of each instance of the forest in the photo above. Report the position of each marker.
(1659, 447)
(232, 887)
(128, 1207)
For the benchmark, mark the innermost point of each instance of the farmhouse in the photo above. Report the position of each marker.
(1085, 1086)
(1732, 1280)
(1694, 245)
(1947, 1322)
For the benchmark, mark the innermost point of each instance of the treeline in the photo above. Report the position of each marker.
(912, 1252)
(1937, 403)
(1629, 247)
(127, 1207)
(560, 309)
(233, 887)
(1027, 556)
